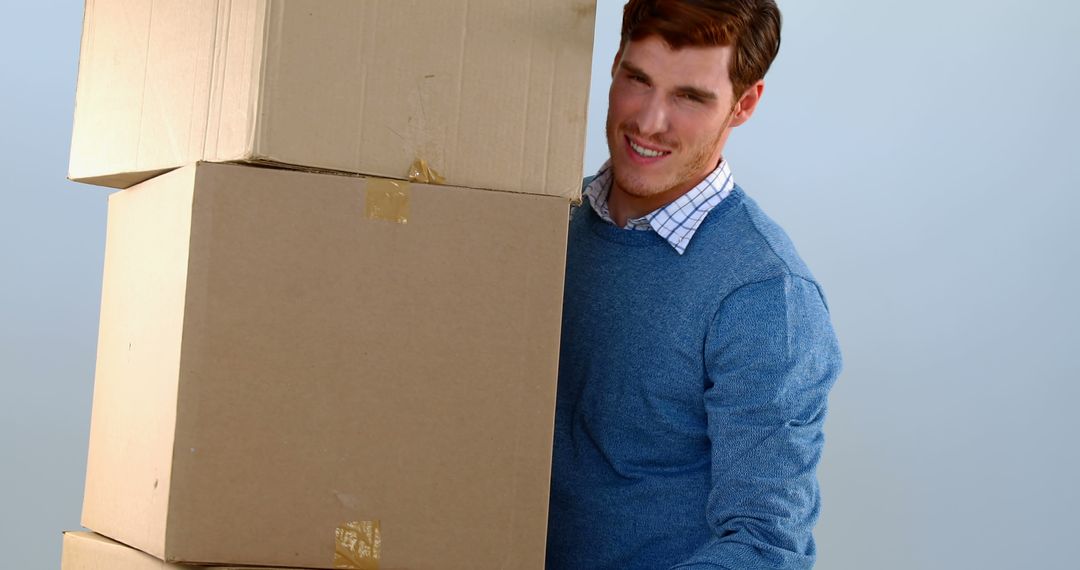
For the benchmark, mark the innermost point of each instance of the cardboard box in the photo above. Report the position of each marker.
(492, 94)
(288, 360)
(90, 551)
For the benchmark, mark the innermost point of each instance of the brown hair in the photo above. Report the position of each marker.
(752, 27)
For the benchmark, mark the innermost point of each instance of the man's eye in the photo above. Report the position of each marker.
(638, 78)
(690, 97)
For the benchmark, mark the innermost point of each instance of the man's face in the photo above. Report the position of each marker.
(669, 115)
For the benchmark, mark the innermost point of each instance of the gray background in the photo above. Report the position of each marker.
(921, 153)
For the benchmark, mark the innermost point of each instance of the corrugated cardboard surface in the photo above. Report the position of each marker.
(333, 368)
(491, 93)
(138, 361)
(90, 551)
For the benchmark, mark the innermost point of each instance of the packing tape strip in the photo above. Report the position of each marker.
(421, 172)
(387, 200)
(358, 545)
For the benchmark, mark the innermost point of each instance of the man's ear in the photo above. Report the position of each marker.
(746, 104)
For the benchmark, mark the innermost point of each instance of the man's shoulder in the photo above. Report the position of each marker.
(754, 242)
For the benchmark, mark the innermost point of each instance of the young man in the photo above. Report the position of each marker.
(697, 352)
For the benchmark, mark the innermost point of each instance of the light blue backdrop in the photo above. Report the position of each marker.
(921, 153)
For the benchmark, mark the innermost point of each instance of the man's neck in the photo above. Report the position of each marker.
(623, 206)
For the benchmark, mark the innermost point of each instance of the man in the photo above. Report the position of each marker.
(697, 352)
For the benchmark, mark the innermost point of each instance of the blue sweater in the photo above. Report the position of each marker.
(692, 391)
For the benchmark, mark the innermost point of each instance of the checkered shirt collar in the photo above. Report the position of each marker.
(678, 221)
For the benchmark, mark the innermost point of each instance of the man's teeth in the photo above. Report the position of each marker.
(646, 152)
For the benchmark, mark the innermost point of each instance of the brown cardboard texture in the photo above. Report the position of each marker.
(293, 363)
(90, 551)
(492, 94)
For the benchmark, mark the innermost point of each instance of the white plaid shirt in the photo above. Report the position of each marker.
(677, 221)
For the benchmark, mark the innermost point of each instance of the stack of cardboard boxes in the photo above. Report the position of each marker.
(305, 359)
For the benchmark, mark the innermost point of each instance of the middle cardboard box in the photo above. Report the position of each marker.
(294, 367)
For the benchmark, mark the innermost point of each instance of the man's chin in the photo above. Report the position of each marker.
(629, 174)
(637, 187)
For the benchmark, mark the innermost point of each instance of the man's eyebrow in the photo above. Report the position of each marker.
(633, 69)
(698, 93)
(703, 94)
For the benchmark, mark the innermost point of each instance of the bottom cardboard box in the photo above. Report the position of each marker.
(91, 551)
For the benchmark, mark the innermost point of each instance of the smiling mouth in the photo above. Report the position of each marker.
(646, 152)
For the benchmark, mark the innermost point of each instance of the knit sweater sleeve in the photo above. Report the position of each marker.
(771, 356)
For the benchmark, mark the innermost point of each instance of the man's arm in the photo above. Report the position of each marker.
(771, 356)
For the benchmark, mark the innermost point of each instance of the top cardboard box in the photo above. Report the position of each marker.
(491, 94)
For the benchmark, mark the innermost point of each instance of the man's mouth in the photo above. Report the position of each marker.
(645, 151)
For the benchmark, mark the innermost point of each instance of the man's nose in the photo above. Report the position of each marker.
(652, 116)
